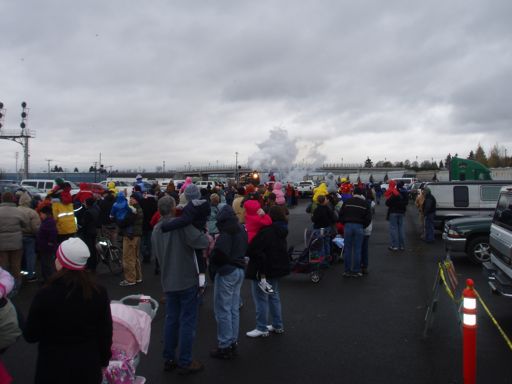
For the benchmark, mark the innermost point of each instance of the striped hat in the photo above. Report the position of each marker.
(73, 254)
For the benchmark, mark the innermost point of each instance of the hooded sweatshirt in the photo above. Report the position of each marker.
(253, 221)
(277, 189)
(31, 216)
(120, 207)
(231, 245)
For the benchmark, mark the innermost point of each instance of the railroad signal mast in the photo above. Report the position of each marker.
(21, 137)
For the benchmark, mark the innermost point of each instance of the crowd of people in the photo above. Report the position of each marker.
(225, 233)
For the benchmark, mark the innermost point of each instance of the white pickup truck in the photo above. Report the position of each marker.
(305, 188)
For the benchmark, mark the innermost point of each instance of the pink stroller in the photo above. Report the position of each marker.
(132, 330)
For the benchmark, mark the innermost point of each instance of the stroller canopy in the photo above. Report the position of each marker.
(135, 320)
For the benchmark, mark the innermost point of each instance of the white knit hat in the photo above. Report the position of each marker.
(6, 283)
(73, 254)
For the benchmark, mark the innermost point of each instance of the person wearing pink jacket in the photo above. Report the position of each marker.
(256, 219)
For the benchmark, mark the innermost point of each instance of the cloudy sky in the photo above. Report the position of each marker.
(143, 82)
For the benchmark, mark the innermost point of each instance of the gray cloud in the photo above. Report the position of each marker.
(180, 82)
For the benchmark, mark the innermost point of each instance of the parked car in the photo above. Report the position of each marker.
(415, 190)
(97, 189)
(499, 268)
(34, 191)
(47, 184)
(9, 187)
(469, 235)
(305, 188)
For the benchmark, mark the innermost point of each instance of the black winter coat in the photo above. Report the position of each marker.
(398, 204)
(323, 217)
(149, 206)
(231, 244)
(268, 253)
(74, 334)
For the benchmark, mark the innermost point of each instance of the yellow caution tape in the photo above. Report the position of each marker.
(445, 284)
(495, 322)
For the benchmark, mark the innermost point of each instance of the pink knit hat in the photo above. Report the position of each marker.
(6, 283)
(73, 254)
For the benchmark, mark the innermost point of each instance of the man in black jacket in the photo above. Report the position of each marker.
(356, 215)
(429, 211)
(396, 201)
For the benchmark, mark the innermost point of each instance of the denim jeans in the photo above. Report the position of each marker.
(354, 235)
(364, 251)
(326, 243)
(145, 245)
(396, 230)
(429, 227)
(226, 306)
(267, 304)
(180, 324)
(29, 254)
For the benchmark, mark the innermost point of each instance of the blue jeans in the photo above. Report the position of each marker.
(429, 227)
(29, 254)
(180, 324)
(226, 306)
(326, 243)
(354, 234)
(396, 230)
(267, 304)
(364, 251)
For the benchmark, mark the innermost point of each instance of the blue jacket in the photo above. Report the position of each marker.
(120, 207)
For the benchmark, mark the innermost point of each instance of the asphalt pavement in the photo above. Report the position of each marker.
(367, 330)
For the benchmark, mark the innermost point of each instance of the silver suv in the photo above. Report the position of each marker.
(499, 269)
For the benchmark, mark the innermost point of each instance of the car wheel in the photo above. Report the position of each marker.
(479, 250)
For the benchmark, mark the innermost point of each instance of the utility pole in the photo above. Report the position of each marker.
(17, 166)
(49, 161)
(95, 168)
(18, 137)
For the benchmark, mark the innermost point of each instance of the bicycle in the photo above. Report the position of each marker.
(110, 255)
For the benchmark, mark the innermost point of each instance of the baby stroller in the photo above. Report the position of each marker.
(132, 330)
(312, 258)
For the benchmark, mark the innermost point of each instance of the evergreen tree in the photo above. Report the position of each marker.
(480, 155)
(76, 170)
(368, 163)
(441, 165)
(471, 155)
(448, 161)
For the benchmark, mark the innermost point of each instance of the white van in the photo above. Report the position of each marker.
(499, 268)
(46, 185)
(464, 198)
(204, 184)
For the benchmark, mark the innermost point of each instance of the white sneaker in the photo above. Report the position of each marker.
(275, 330)
(257, 333)
(265, 287)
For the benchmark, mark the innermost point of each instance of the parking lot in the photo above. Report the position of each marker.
(367, 330)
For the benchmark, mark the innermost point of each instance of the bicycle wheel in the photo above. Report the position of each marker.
(113, 260)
